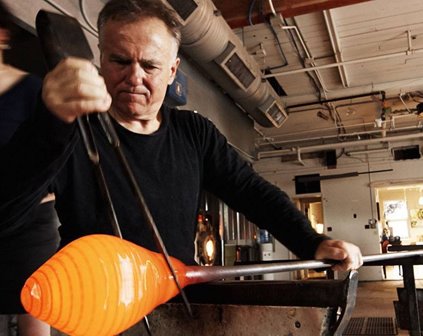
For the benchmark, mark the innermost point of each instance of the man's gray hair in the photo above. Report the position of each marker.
(129, 11)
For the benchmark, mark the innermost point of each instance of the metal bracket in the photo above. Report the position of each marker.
(351, 284)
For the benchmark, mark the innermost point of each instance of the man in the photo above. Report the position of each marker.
(175, 154)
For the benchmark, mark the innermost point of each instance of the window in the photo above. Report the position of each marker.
(396, 216)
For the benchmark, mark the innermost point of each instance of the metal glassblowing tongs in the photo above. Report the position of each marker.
(60, 37)
(113, 138)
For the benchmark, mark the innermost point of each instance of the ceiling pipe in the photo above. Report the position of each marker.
(275, 143)
(337, 64)
(373, 93)
(307, 53)
(306, 135)
(272, 8)
(208, 40)
(368, 151)
(413, 84)
(299, 156)
(318, 148)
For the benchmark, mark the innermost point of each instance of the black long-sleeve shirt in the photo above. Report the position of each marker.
(186, 154)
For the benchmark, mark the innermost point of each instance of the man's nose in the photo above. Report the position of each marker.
(135, 74)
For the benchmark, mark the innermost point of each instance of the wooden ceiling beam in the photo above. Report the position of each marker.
(236, 13)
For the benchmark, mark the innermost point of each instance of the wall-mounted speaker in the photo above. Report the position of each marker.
(330, 159)
(307, 184)
(406, 153)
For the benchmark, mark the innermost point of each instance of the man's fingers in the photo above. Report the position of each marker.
(75, 88)
(73, 109)
(348, 254)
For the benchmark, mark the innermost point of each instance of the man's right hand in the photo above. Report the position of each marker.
(74, 88)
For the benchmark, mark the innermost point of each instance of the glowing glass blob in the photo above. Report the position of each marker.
(100, 285)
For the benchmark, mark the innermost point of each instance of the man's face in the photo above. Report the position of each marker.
(138, 62)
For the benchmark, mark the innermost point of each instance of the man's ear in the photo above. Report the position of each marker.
(173, 70)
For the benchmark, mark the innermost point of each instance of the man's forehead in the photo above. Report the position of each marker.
(144, 20)
(151, 24)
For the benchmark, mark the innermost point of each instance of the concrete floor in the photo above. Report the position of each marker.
(375, 299)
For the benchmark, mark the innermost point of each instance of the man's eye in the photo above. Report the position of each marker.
(149, 66)
(121, 61)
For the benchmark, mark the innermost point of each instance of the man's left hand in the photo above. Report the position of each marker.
(348, 254)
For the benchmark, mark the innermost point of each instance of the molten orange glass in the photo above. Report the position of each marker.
(100, 285)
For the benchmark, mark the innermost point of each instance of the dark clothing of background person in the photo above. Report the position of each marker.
(184, 156)
(22, 250)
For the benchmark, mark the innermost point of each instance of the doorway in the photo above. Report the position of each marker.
(312, 207)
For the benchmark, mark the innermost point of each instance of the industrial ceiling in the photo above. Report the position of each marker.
(345, 73)
(349, 72)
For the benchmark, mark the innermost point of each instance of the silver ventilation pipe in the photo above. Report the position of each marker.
(208, 39)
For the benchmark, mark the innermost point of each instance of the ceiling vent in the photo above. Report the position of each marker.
(235, 67)
(208, 39)
(274, 111)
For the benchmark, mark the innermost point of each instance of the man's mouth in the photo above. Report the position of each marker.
(136, 93)
(140, 90)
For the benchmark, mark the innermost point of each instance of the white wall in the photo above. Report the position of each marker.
(348, 203)
(209, 100)
(347, 209)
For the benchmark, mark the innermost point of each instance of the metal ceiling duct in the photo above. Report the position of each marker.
(208, 39)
